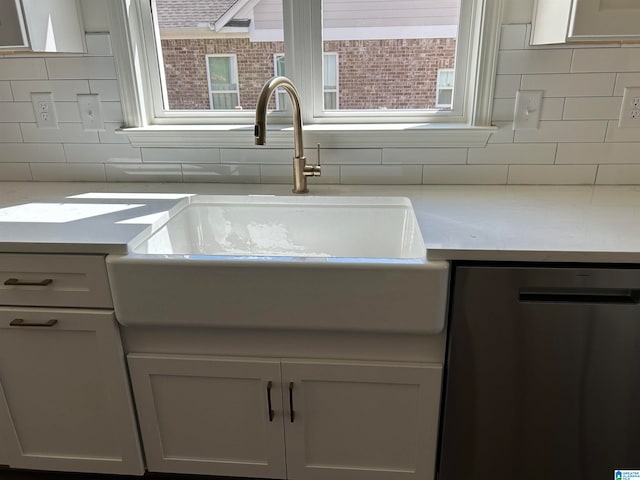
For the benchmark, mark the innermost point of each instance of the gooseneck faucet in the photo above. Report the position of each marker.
(300, 168)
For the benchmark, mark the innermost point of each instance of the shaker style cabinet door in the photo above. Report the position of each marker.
(211, 416)
(64, 397)
(360, 420)
(607, 18)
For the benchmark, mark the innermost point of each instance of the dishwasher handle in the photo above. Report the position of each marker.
(615, 296)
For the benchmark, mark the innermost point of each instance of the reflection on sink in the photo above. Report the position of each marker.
(303, 263)
(346, 227)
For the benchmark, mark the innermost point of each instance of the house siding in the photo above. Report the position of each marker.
(373, 74)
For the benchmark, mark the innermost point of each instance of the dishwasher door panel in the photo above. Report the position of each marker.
(543, 376)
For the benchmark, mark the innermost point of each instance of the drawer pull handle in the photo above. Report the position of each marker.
(291, 411)
(17, 282)
(19, 322)
(269, 401)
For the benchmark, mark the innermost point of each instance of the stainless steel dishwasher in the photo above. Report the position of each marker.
(543, 375)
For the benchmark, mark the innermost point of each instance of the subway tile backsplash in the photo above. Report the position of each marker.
(578, 142)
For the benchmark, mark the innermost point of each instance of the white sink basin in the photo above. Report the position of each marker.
(325, 263)
(333, 227)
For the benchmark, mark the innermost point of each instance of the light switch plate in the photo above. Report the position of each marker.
(527, 112)
(44, 109)
(630, 110)
(91, 112)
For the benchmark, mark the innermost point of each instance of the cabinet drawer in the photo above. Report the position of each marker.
(54, 280)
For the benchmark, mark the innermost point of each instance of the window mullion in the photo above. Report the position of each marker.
(303, 66)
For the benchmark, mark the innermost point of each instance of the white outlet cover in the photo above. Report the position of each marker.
(44, 109)
(527, 112)
(630, 112)
(91, 112)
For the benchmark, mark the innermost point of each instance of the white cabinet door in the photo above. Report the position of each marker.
(606, 18)
(64, 396)
(360, 421)
(561, 21)
(207, 415)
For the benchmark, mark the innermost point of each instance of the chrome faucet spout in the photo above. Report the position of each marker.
(300, 169)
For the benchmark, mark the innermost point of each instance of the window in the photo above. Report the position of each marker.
(444, 88)
(330, 81)
(222, 73)
(386, 101)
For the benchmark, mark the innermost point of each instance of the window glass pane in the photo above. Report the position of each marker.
(445, 97)
(389, 53)
(198, 38)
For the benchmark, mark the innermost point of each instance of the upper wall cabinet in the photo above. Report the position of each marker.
(562, 21)
(41, 26)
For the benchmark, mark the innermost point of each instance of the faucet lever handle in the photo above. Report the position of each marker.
(318, 155)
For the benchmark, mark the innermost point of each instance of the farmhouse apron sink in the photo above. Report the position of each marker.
(326, 263)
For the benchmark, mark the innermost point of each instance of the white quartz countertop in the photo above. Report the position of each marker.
(501, 223)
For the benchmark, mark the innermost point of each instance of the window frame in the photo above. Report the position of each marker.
(139, 75)
(234, 66)
(279, 91)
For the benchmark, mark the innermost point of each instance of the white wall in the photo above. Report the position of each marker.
(578, 141)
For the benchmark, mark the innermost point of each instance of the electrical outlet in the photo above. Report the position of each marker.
(630, 110)
(44, 109)
(91, 112)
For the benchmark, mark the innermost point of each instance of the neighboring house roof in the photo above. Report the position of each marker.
(174, 14)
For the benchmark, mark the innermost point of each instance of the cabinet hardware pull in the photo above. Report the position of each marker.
(269, 400)
(19, 322)
(17, 282)
(291, 411)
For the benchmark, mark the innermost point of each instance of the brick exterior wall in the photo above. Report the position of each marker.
(392, 74)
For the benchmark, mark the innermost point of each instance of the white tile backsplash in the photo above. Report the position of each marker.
(465, 174)
(143, 172)
(592, 108)
(15, 172)
(534, 61)
(507, 86)
(216, 173)
(102, 153)
(617, 134)
(63, 90)
(107, 89)
(32, 152)
(571, 85)
(66, 172)
(99, 44)
(10, 132)
(578, 134)
(618, 175)
(65, 133)
(22, 69)
(599, 153)
(381, 175)
(606, 60)
(564, 131)
(552, 174)
(181, 155)
(17, 112)
(626, 80)
(424, 156)
(95, 68)
(506, 154)
(5, 92)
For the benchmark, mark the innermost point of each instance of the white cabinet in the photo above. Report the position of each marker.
(360, 421)
(41, 26)
(209, 416)
(561, 21)
(334, 419)
(65, 402)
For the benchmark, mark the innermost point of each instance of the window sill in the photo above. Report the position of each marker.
(329, 136)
